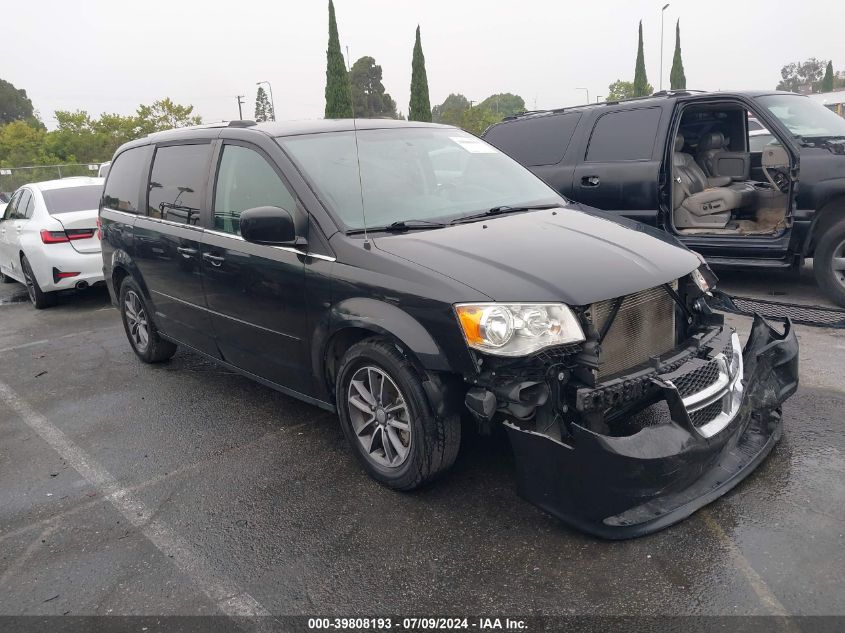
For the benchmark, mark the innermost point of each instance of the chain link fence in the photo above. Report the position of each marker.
(13, 177)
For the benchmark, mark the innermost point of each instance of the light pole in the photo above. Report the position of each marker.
(662, 11)
(587, 91)
(272, 102)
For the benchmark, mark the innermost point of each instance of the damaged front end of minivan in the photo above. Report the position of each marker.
(657, 412)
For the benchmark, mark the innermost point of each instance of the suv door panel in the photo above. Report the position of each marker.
(255, 292)
(167, 252)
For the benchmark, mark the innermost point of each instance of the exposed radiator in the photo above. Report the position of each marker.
(643, 327)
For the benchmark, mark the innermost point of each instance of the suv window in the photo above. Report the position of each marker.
(177, 182)
(246, 180)
(534, 141)
(624, 135)
(122, 185)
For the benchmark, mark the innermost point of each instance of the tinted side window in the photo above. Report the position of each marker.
(624, 135)
(24, 201)
(532, 141)
(177, 182)
(124, 181)
(246, 180)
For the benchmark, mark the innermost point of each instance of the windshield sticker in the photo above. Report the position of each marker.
(474, 145)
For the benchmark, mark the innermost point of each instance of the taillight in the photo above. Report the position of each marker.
(57, 237)
(53, 237)
(99, 229)
(80, 234)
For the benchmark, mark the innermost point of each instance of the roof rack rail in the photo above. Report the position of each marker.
(242, 123)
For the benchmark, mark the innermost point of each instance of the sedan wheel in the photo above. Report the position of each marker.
(380, 417)
(136, 320)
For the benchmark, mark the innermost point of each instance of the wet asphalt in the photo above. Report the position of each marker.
(133, 489)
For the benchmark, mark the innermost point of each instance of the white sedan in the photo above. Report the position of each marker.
(49, 239)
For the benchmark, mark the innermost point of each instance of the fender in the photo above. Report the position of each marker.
(381, 318)
(829, 203)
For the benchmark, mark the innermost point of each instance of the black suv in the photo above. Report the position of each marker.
(406, 274)
(683, 162)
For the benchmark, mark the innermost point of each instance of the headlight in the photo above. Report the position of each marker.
(517, 329)
(700, 281)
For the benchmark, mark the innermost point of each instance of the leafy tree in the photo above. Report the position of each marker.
(677, 78)
(420, 107)
(802, 76)
(337, 82)
(165, 115)
(620, 90)
(22, 144)
(477, 119)
(451, 110)
(827, 81)
(263, 107)
(369, 100)
(504, 104)
(641, 86)
(14, 104)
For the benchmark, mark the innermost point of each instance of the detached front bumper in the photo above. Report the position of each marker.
(710, 439)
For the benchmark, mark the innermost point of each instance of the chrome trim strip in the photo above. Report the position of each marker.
(706, 396)
(287, 249)
(220, 314)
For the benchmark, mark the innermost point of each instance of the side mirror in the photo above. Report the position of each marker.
(268, 225)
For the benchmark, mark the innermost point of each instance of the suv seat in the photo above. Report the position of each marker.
(699, 202)
(717, 161)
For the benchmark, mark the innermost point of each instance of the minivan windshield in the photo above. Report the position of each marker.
(804, 117)
(427, 175)
(70, 199)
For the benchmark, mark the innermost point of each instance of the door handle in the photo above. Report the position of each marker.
(590, 181)
(186, 252)
(214, 260)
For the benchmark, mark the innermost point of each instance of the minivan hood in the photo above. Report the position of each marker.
(551, 255)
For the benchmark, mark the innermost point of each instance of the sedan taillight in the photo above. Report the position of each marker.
(58, 237)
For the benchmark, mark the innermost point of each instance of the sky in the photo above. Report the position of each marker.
(112, 55)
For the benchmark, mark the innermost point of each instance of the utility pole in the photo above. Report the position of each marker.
(240, 109)
(662, 11)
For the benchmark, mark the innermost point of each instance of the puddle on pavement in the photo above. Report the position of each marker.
(15, 297)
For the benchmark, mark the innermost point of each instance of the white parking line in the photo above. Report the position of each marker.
(231, 599)
(14, 348)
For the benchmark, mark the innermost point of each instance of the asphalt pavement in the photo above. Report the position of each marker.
(183, 488)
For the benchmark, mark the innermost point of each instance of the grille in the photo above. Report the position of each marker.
(705, 414)
(643, 327)
(697, 379)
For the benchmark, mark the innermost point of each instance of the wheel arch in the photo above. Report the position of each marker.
(831, 211)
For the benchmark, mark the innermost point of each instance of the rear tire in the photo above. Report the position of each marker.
(140, 329)
(829, 263)
(387, 419)
(39, 298)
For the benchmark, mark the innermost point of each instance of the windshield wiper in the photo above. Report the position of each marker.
(501, 210)
(399, 227)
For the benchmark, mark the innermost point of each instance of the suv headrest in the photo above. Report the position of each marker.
(679, 142)
(711, 140)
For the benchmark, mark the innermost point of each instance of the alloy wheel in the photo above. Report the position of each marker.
(30, 281)
(380, 417)
(838, 263)
(136, 320)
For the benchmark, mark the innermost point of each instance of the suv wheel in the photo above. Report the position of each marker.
(387, 420)
(829, 263)
(39, 298)
(140, 329)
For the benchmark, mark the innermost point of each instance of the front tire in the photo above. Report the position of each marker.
(829, 263)
(38, 297)
(140, 329)
(387, 420)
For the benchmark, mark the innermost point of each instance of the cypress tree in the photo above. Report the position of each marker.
(827, 81)
(420, 107)
(641, 87)
(677, 78)
(263, 107)
(338, 105)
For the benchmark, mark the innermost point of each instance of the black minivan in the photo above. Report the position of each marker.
(409, 275)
